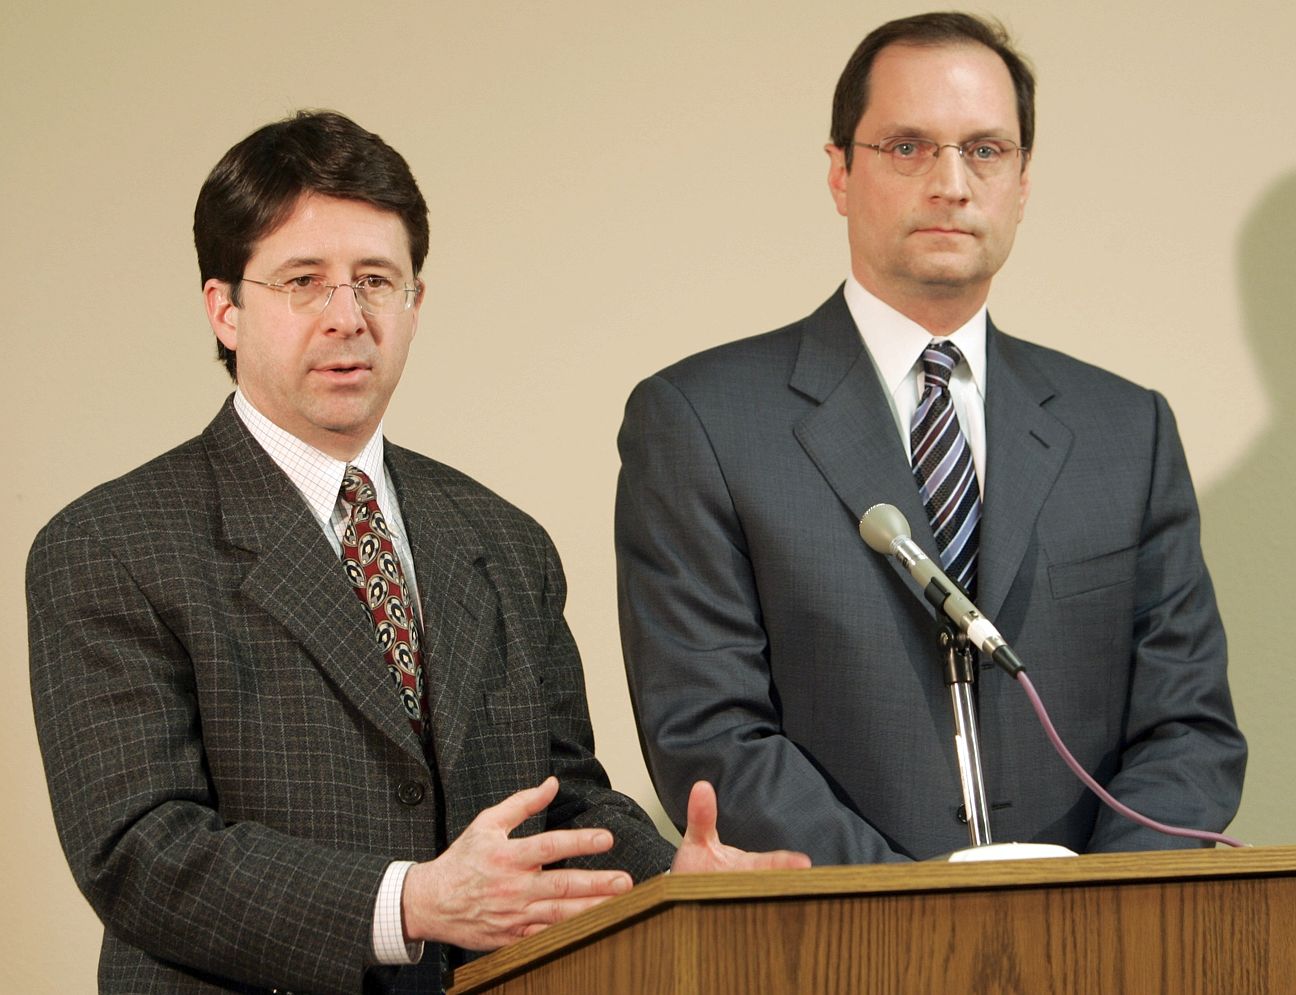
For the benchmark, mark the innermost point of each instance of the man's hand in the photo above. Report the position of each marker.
(487, 890)
(701, 849)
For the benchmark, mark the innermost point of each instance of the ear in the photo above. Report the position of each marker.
(418, 303)
(1024, 193)
(837, 176)
(221, 312)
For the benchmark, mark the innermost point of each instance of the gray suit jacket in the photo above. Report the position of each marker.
(770, 650)
(229, 768)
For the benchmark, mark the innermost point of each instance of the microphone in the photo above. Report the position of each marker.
(886, 531)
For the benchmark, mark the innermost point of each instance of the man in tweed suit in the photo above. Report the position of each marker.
(770, 650)
(239, 790)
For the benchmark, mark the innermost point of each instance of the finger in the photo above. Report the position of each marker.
(786, 860)
(574, 883)
(559, 844)
(545, 914)
(520, 806)
(703, 811)
(564, 908)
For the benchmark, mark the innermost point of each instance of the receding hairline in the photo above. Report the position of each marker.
(952, 44)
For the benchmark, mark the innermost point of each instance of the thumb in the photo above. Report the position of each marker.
(703, 811)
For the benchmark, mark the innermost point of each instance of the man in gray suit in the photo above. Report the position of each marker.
(770, 650)
(272, 768)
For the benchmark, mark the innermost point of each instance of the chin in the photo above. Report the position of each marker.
(958, 274)
(345, 422)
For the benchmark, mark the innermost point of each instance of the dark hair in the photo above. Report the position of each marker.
(257, 183)
(951, 28)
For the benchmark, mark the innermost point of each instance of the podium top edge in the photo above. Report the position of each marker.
(664, 891)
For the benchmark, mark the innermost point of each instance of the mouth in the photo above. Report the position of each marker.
(343, 371)
(943, 230)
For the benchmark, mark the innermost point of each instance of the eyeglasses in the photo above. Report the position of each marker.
(374, 294)
(986, 157)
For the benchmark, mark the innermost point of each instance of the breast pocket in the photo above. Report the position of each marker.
(1069, 580)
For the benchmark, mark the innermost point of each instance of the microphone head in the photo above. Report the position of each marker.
(881, 526)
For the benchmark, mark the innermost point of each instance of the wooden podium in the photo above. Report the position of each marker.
(1215, 922)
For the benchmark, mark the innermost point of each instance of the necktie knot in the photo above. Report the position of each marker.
(938, 362)
(357, 488)
(361, 498)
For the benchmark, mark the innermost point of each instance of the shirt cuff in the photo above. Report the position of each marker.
(389, 946)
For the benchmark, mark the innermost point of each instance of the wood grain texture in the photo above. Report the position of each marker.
(1198, 922)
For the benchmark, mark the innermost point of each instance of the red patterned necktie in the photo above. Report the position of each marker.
(374, 570)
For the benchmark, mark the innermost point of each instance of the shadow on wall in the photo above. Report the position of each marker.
(1250, 543)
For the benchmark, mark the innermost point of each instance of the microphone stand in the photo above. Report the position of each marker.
(960, 677)
(886, 532)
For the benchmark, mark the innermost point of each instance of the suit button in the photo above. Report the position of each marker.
(410, 792)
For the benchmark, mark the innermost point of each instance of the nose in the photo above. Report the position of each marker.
(949, 177)
(342, 310)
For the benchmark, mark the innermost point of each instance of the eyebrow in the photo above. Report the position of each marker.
(299, 262)
(904, 131)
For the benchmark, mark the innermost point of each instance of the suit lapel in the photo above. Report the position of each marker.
(1025, 449)
(852, 436)
(852, 439)
(295, 577)
(460, 607)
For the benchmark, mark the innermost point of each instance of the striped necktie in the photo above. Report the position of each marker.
(943, 468)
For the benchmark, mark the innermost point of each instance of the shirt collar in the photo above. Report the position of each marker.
(316, 475)
(896, 342)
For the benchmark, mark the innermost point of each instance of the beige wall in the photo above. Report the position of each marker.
(613, 186)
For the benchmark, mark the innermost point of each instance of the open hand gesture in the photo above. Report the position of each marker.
(488, 890)
(701, 849)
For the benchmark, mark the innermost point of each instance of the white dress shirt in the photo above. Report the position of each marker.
(895, 344)
(318, 477)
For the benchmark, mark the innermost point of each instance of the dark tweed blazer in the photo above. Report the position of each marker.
(229, 768)
(770, 650)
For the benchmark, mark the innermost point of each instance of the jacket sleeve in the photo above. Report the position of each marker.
(585, 797)
(1182, 757)
(696, 650)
